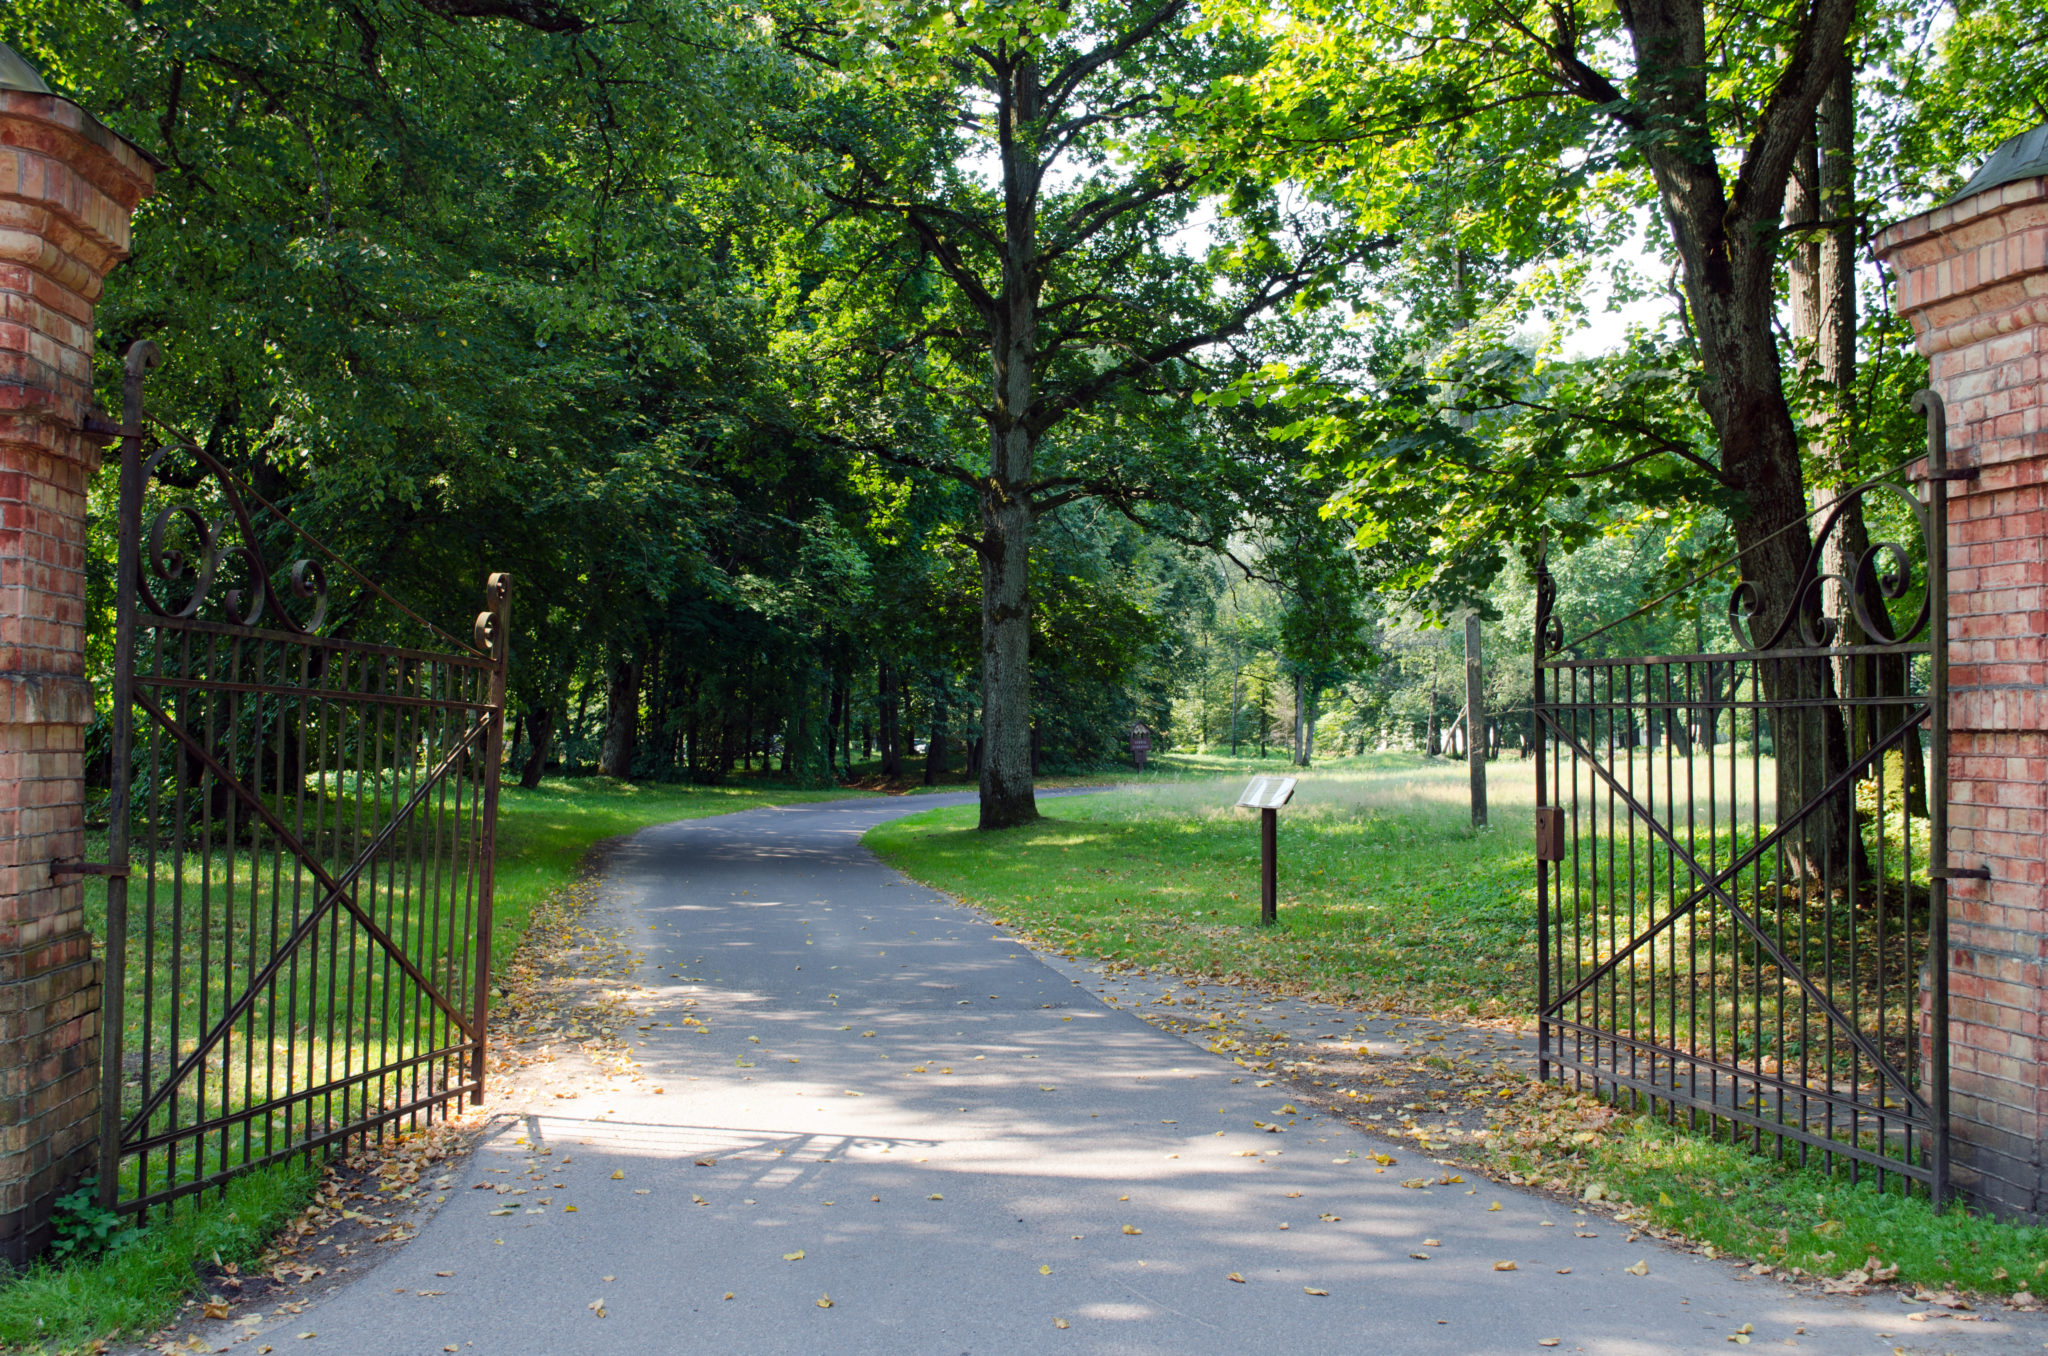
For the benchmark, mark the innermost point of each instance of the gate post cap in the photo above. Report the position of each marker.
(16, 73)
(2022, 157)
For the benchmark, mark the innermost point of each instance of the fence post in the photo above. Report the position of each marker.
(1475, 720)
(67, 189)
(1973, 279)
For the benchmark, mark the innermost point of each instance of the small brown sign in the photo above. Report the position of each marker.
(1549, 833)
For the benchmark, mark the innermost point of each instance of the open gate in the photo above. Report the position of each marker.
(300, 831)
(1741, 859)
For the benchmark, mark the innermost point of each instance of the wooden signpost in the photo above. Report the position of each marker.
(1267, 795)
(1475, 720)
(1141, 744)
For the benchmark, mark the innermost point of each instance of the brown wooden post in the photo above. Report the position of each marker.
(67, 189)
(1269, 866)
(1475, 720)
(1973, 279)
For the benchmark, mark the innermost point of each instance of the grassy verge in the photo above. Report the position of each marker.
(543, 835)
(1387, 894)
(1388, 898)
(136, 1286)
(1678, 1183)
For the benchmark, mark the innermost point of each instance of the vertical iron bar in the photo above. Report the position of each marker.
(1537, 709)
(113, 1002)
(1937, 791)
(498, 591)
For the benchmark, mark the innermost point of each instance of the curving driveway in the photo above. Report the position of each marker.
(972, 1154)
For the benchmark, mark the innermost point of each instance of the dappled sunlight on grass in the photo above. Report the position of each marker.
(1387, 895)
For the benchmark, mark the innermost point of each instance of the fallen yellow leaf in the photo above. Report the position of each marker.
(1641, 1268)
(1061, 1323)
(1505, 1266)
(1233, 1276)
(1132, 1229)
(214, 1308)
(796, 1256)
(1311, 1290)
(1045, 1271)
(824, 1301)
(619, 1176)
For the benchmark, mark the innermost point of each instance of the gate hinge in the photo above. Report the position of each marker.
(97, 428)
(1550, 833)
(1960, 873)
(87, 869)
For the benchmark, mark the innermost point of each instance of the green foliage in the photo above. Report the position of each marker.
(80, 1227)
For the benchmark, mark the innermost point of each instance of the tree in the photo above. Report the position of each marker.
(1024, 172)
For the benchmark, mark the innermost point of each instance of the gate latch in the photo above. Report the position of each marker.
(61, 868)
(1550, 833)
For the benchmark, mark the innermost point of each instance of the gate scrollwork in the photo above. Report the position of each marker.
(214, 544)
(1883, 574)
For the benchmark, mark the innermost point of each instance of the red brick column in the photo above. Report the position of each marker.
(1973, 279)
(67, 187)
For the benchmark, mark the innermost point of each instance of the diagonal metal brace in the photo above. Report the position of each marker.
(338, 891)
(1713, 886)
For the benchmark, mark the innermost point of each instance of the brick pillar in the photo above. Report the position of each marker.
(1973, 279)
(67, 187)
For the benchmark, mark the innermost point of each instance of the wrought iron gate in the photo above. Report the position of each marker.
(300, 833)
(1741, 859)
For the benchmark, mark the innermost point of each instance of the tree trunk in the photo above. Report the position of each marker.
(1300, 709)
(1236, 696)
(1006, 510)
(582, 714)
(1728, 254)
(935, 747)
(621, 716)
(1821, 197)
(541, 728)
(1006, 791)
(885, 715)
(1308, 725)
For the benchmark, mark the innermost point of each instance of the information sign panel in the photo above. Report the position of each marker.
(1267, 793)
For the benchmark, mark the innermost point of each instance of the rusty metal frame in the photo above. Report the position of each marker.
(1857, 1017)
(278, 979)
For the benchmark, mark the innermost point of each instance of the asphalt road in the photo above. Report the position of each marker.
(901, 1111)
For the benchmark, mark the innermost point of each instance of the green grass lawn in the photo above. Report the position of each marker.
(1388, 896)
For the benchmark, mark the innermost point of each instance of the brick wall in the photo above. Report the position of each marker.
(1973, 279)
(67, 188)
